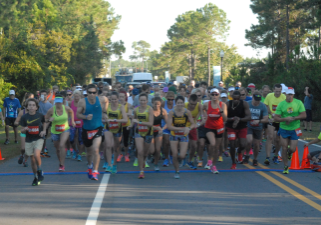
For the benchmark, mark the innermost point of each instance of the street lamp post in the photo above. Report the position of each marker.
(222, 56)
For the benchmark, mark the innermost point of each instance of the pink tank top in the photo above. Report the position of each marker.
(78, 122)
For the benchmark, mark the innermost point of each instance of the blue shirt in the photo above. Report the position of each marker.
(12, 106)
(95, 110)
(308, 102)
(248, 98)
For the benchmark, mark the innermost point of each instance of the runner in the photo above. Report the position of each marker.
(143, 118)
(259, 115)
(58, 115)
(11, 107)
(160, 114)
(289, 113)
(216, 116)
(177, 124)
(92, 110)
(116, 116)
(265, 92)
(236, 126)
(272, 100)
(224, 143)
(32, 124)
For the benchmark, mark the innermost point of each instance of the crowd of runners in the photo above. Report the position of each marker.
(176, 124)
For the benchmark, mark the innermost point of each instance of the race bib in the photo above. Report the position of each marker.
(231, 136)
(220, 131)
(60, 128)
(113, 125)
(10, 114)
(91, 134)
(254, 125)
(298, 132)
(155, 129)
(33, 129)
(78, 122)
(274, 107)
(142, 128)
(179, 133)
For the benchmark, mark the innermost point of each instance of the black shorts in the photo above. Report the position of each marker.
(126, 133)
(309, 115)
(265, 125)
(257, 134)
(202, 134)
(276, 126)
(10, 121)
(88, 138)
(207, 130)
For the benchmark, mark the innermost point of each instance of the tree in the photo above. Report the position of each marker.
(141, 51)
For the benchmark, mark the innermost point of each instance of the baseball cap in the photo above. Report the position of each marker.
(223, 95)
(251, 85)
(78, 87)
(221, 82)
(12, 92)
(135, 91)
(173, 89)
(165, 89)
(214, 90)
(290, 90)
(231, 89)
(257, 97)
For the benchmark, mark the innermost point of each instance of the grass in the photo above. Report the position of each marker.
(309, 136)
(11, 150)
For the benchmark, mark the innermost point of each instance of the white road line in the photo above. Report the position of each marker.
(95, 208)
(312, 145)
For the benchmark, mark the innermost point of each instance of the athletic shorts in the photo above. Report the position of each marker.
(126, 133)
(157, 134)
(56, 137)
(291, 134)
(89, 135)
(193, 134)
(73, 134)
(10, 121)
(31, 146)
(276, 126)
(233, 134)
(257, 134)
(166, 131)
(147, 138)
(180, 138)
(309, 115)
(207, 130)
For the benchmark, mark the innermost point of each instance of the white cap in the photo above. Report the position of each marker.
(12, 92)
(78, 87)
(231, 89)
(290, 90)
(84, 92)
(284, 88)
(214, 90)
(221, 82)
(223, 95)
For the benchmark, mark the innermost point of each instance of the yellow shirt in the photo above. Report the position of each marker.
(194, 113)
(272, 102)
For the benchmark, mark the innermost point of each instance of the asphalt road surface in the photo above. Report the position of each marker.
(242, 196)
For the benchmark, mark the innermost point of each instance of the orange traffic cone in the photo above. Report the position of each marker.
(1, 155)
(305, 164)
(295, 163)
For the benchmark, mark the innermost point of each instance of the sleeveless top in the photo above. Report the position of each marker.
(194, 112)
(158, 119)
(143, 130)
(179, 121)
(95, 110)
(126, 110)
(78, 122)
(114, 127)
(214, 118)
(60, 123)
(239, 112)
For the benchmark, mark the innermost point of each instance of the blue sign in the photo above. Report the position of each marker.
(216, 75)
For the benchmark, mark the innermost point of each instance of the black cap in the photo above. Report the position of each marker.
(257, 97)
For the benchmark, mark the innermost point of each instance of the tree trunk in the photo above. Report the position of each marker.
(209, 66)
(287, 38)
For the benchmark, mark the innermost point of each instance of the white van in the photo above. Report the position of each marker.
(142, 77)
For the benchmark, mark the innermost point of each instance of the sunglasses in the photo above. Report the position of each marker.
(93, 93)
(215, 94)
(242, 94)
(69, 94)
(170, 99)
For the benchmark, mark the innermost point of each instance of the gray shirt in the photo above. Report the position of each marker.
(136, 100)
(308, 102)
(257, 113)
(44, 107)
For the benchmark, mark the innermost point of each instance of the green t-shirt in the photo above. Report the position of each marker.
(319, 137)
(263, 99)
(286, 109)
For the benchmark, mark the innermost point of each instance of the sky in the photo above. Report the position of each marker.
(149, 20)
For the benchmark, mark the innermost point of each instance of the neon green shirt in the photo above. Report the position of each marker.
(319, 137)
(286, 109)
(263, 99)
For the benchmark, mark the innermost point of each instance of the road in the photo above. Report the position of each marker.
(243, 196)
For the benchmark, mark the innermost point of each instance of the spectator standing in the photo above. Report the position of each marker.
(308, 107)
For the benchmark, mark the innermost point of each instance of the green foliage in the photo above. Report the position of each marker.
(4, 90)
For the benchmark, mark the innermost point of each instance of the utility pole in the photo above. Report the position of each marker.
(287, 37)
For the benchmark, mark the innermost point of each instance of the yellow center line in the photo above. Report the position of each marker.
(287, 189)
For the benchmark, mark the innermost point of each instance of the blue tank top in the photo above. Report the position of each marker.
(167, 110)
(94, 109)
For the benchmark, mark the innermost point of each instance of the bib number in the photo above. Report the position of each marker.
(155, 129)
(33, 130)
(60, 128)
(179, 133)
(113, 125)
(274, 107)
(220, 131)
(254, 125)
(298, 132)
(10, 114)
(142, 128)
(231, 136)
(78, 122)
(91, 134)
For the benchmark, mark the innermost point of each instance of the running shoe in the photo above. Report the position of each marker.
(255, 162)
(176, 176)
(25, 164)
(239, 157)
(108, 169)
(275, 160)
(141, 175)
(156, 167)
(61, 168)
(45, 151)
(280, 159)
(233, 166)
(214, 170)
(7, 142)
(68, 155)
(166, 163)
(40, 175)
(146, 164)
(105, 165)
(79, 158)
(208, 167)
(226, 153)
(119, 158)
(267, 162)
(246, 159)
(191, 165)
(171, 159)
(289, 155)
(182, 163)
(220, 158)
(135, 162)
(114, 169)
(127, 158)
(83, 154)
(35, 182)
(200, 164)
(286, 170)
(95, 176)
(251, 151)
(74, 154)
(90, 173)
(20, 160)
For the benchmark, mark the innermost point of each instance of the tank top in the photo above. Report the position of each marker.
(114, 127)
(143, 130)
(60, 123)
(126, 110)
(239, 112)
(95, 110)
(158, 119)
(78, 122)
(194, 112)
(214, 119)
(179, 121)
